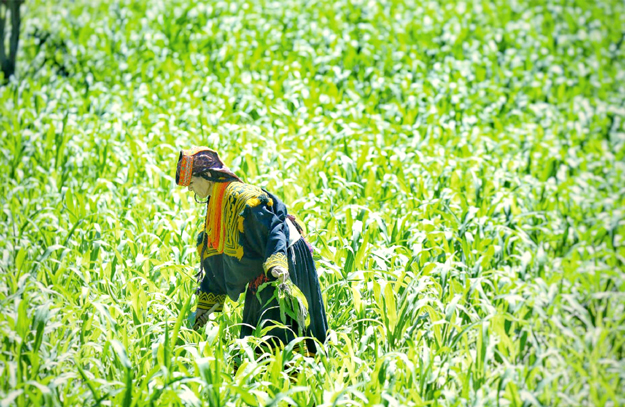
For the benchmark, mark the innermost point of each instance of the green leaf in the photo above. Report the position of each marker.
(120, 351)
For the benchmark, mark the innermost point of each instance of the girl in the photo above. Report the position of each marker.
(249, 239)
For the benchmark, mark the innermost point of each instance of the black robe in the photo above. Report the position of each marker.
(256, 240)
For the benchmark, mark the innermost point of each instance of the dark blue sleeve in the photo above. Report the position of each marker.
(266, 231)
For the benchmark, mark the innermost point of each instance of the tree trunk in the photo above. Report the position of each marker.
(3, 57)
(7, 62)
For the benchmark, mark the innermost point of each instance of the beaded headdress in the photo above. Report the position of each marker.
(199, 160)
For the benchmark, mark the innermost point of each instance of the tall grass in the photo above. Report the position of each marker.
(459, 167)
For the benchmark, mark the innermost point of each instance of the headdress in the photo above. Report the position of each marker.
(199, 160)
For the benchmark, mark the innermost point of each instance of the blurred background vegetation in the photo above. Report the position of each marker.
(459, 167)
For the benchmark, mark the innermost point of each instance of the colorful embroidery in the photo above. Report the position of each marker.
(208, 300)
(257, 282)
(234, 199)
(185, 170)
(198, 160)
(214, 226)
(200, 243)
(276, 260)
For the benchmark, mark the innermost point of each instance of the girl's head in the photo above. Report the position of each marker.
(199, 168)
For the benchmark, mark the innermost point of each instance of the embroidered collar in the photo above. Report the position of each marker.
(214, 226)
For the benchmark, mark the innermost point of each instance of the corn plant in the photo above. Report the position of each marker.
(459, 168)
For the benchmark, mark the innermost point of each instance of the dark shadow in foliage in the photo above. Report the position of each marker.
(7, 62)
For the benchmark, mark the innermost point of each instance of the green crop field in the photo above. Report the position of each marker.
(459, 167)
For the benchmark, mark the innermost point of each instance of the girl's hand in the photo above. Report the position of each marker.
(280, 273)
(201, 316)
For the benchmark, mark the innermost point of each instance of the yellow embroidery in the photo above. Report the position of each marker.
(200, 245)
(236, 197)
(208, 300)
(241, 228)
(276, 260)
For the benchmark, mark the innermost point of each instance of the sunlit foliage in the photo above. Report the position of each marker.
(459, 166)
